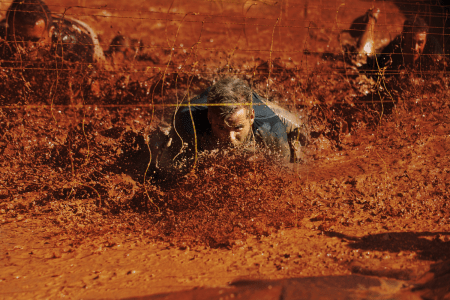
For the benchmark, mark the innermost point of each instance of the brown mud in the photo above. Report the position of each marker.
(80, 219)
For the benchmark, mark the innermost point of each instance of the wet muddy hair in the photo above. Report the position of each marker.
(28, 12)
(415, 24)
(228, 95)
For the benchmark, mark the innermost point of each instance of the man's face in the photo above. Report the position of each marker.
(415, 44)
(233, 131)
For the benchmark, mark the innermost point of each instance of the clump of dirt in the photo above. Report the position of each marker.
(227, 198)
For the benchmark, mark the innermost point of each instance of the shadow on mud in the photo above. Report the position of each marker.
(325, 287)
(428, 245)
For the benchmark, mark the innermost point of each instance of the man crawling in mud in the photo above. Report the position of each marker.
(30, 30)
(227, 116)
(414, 48)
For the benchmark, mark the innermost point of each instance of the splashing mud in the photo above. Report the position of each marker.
(82, 217)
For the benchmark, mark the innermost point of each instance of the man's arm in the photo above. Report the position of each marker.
(174, 145)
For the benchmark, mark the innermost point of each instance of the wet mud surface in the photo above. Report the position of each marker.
(368, 206)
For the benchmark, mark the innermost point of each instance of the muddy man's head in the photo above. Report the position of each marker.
(414, 38)
(230, 112)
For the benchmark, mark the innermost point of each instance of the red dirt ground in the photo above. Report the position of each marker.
(78, 220)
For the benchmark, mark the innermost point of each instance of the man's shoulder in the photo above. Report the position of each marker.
(199, 100)
(268, 128)
(265, 117)
(192, 116)
(194, 105)
(262, 111)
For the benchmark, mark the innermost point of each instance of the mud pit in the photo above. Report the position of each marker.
(78, 219)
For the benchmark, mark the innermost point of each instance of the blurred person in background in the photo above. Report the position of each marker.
(228, 115)
(31, 29)
(414, 48)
